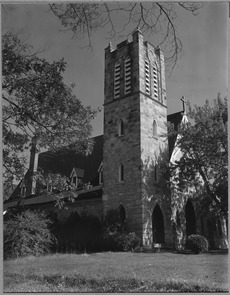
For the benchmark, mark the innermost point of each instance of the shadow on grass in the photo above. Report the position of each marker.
(212, 252)
(218, 252)
(185, 252)
(61, 283)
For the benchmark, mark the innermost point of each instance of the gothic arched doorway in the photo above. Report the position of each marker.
(190, 218)
(211, 228)
(158, 225)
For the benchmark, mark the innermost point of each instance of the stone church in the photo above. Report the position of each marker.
(124, 168)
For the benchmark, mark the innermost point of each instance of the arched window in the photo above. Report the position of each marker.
(117, 76)
(121, 172)
(155, 82)
(127, 75)
(121, 128)
(147, 77)
(154, 128)
(122, 213)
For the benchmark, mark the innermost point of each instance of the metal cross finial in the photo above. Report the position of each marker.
(184, 101)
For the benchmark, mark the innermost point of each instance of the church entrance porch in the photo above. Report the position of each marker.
(158, 225)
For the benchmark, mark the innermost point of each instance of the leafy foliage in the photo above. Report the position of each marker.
(204, 161)
(51, 183)
(27, 233)
(128, 241)
(38, 104)
(196, 243)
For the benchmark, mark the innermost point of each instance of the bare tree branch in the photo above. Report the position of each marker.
(152, 18)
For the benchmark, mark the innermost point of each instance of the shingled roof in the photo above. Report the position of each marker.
(65, 162)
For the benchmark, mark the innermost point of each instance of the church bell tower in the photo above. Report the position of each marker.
(135, 117)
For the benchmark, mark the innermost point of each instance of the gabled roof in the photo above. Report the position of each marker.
(65, 162)
(86, 167)
(77, 172)
(175, 119)
(17, 191)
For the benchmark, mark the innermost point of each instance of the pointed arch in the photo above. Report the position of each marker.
(122, 213)
(190, 218)
(158, 225)
(211, 234)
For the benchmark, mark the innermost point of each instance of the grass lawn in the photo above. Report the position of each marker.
(114, 272)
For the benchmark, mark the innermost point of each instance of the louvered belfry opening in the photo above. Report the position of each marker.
(127, 75)
(117, 77)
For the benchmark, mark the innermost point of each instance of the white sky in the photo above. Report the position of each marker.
(199, 75)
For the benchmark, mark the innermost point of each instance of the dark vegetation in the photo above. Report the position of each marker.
(38, 106)
(197, 244)
(203, 166)
(27, 233)
(36, 233)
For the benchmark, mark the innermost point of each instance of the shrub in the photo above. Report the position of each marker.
(128, 241)
(196, 243)
(117, 238)
(27, 233)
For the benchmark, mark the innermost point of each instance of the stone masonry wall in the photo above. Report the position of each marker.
(125, 149)
(137, 110)
(153, 147)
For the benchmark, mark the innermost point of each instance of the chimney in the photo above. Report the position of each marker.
(31, 180)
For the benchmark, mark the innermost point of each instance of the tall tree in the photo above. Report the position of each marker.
(37, 103)
(155, 17)
(204, 161)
